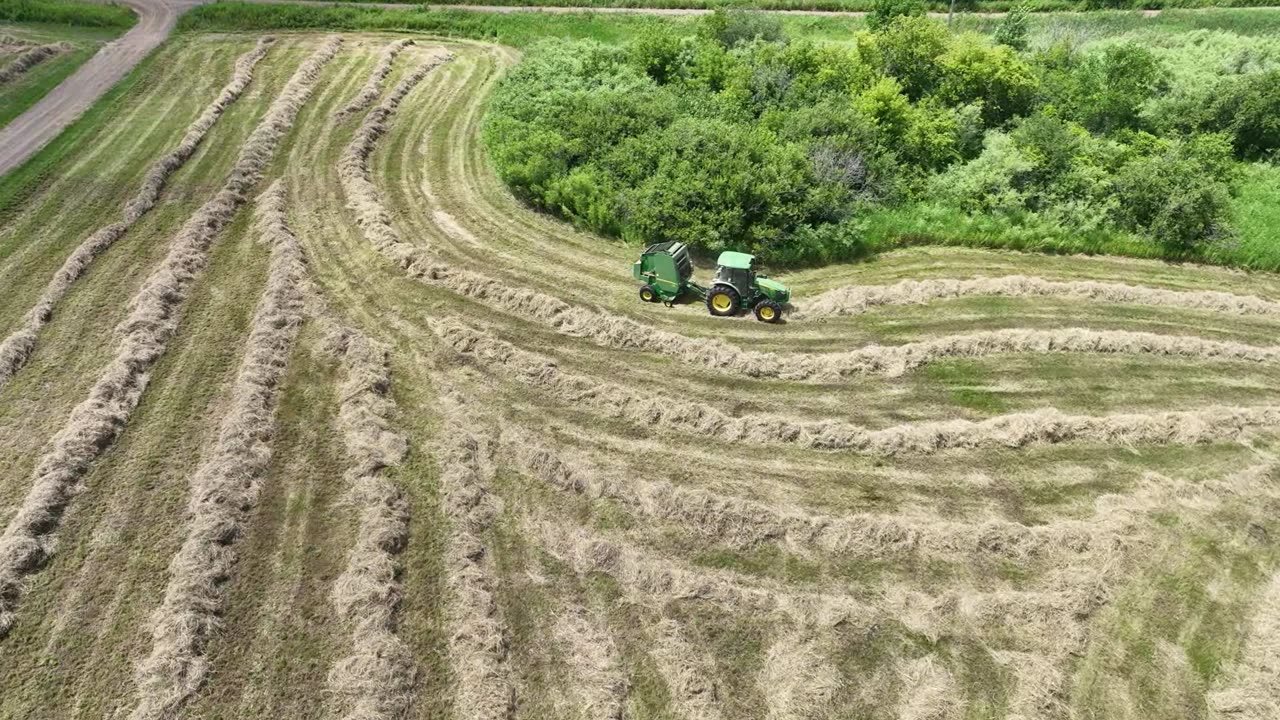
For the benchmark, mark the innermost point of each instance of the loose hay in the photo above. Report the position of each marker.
(1252, 689)
(16, 349)
(478, 642)
(857, 299)
(1047, 426)
(376, 680)
(31, 58)
(373, 86)
(598, 683)
(153, 317)
(225, 487)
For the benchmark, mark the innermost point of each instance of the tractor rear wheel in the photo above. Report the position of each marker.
(648, 294)
(722, 301)
(768, 311)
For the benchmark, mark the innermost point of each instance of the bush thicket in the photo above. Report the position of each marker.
(735, 137)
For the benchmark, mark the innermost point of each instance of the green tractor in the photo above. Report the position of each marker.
(667, 274)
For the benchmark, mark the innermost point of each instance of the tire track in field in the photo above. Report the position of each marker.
(28, 540)
(16, 349)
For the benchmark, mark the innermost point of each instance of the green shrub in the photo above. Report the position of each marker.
(1179, 193)
(1248, 109)
(734, 26)
(975, 71)
(884, 12)
(1013, 28)
(908, 50)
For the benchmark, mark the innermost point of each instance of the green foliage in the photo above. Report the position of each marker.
(1178, 192)
(1247, 107)
(884, 12)
(974, 71)
(732, 27)
(908, 50)
(66, 12)
(1014, 27)
(734, 137)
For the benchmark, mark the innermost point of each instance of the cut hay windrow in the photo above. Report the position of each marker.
(353, 167)
(598, 683)
(742, 524)
(225, 487)
(375, 681)
(687, 672)
(11, 42)
(1251, 691)
(1047, 426)
(373, 86)
(31, 58)
(154, 311)
(929, 692)
(856, 299)
(16, 349)
(478, 636)
(798, 679)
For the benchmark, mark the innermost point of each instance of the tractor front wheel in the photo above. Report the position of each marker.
(648, 294)
(768, 311)
(722, 301)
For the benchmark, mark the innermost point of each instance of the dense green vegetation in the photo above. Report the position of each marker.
(66, 12)
(937, 6)
(729, 135)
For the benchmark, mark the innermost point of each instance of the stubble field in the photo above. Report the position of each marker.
(303, 415)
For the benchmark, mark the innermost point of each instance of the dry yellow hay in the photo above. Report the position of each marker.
(353, 170)
(478, 642)
(1047, 426)
(225, 487)
(929, 692)
(598, 683)
(373, 86)
(798, 680)
(854, 300)
(153, 317)
(375, 681)
(30, 58)
(687, 673)
(17, 347)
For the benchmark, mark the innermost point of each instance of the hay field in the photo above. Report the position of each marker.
(302, 415)
(35, 57)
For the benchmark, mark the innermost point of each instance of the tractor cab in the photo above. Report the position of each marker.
(735, 269)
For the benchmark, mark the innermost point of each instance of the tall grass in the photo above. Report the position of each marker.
(66, 12)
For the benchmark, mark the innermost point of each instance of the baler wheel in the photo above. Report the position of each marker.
(648, 294)
(722, 301)
(768, 311)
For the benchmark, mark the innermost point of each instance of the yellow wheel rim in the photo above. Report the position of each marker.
(646, 295)
(721, 302)
(766, 313)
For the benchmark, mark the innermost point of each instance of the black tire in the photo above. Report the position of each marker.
(722, 301)
(648, 294)
(768, 311)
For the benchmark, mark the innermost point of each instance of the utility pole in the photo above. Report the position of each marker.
(950, 12)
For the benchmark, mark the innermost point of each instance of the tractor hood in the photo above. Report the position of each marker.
(774, 289)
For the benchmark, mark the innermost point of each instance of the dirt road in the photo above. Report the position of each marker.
(42, 122)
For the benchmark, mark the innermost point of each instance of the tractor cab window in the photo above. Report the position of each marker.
(739, 278)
